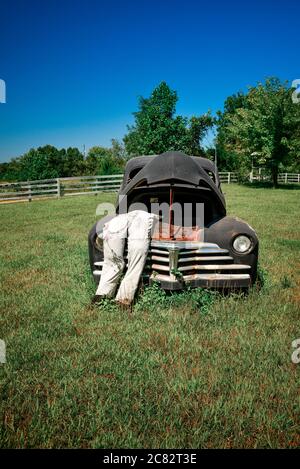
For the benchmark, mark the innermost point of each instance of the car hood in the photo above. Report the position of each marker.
(171, 168)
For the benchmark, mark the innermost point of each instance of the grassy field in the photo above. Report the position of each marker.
(188, 371)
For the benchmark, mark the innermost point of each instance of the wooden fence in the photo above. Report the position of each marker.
(59, 187)
(258, 175)
(83, 185)
(227, 177)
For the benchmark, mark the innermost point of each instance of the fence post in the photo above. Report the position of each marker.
(251, 175)
(285, 178)
(298, 177)
(30, 193)
(58, 187)
(228, 178)
(259, 174)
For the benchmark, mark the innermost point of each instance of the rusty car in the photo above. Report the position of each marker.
(219, 252)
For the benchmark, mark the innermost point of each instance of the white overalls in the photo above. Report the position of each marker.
(137, 226)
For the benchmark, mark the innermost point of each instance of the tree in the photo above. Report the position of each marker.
(118, 149)
(41, 163)
(196, 131)
(48, 162)
(93, 160)
(157, 129)
(45, 162)
(73, 162)
(10, 171)
(102, 160)
(228, 158)
(266, 124)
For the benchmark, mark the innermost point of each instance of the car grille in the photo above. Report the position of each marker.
(191, 262)
(187, 262)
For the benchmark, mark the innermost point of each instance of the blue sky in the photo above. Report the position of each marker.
(74, 69)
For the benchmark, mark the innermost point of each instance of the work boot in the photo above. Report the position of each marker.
(97, 299)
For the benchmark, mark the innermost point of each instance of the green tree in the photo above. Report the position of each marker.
(41, 163)
(228, 158)
(45, 162)
(10, 171)
(196, 131)
(93, 160)
(108, 165)
(118, 149)
(157, 129)
(266, 124)
(102, 160)
(73, 162)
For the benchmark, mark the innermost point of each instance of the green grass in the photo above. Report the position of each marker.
(191, 370)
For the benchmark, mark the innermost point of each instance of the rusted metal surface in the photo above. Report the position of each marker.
(169, 232)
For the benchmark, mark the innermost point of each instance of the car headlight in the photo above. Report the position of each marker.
(242, 244)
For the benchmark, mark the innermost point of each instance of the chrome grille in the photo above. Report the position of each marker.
(184, 262)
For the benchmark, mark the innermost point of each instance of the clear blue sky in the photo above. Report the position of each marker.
(74, 69)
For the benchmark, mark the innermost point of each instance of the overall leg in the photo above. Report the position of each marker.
(113, 265)
(138, 246)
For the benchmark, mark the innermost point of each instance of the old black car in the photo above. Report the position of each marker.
(221, 253)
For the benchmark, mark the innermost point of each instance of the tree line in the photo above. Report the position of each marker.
(259, 127)
(48, 162)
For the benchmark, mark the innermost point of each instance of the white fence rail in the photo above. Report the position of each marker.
(283, 178)
(83, 185)
(227, 177)
(59, 187)
(289, 178)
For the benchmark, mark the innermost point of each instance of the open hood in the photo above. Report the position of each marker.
(174, 170)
